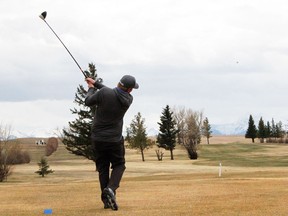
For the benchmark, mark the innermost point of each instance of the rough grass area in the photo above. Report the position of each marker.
(254, 181)
(244, 155)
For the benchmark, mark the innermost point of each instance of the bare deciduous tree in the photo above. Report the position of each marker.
(159, 154)
(5, 168)
(11, 153)
(189, 124)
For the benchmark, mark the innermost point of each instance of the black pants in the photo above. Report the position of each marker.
(106, 154)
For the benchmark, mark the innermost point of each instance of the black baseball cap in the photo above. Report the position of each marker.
(129, 81)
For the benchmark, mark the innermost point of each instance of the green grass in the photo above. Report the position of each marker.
(243, 155)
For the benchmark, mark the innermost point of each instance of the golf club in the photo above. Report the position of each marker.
(43, 16)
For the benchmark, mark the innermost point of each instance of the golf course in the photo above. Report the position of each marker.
(252, 180)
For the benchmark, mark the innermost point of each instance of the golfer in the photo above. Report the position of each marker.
(107, 140)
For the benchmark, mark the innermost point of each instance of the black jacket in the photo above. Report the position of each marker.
(111, 106)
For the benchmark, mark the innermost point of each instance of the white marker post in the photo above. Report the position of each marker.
(220, 169)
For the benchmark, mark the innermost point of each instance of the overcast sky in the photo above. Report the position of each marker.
(228, 58)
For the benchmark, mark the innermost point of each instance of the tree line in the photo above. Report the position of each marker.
(180, 125)
(270, 132)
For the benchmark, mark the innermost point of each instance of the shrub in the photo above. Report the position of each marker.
(17, 155)
(51, 146)
(4, 172)
(193, 155)
(159, 154)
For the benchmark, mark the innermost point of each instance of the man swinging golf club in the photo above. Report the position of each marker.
(107, 140)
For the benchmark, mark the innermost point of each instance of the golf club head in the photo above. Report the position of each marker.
(43, 15)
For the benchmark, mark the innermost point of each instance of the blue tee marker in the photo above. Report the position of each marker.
(47, 211)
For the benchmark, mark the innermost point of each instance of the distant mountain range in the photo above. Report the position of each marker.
(41, 132)
(238, 128)
(228, 129)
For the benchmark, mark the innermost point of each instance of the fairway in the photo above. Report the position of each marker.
(254, 181)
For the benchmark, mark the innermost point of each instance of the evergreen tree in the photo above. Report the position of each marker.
(43, 167)
(273, 129)
(268, 130)
(251, 131)
(136, 135)
(167, 126)
(261, 133)
(76, 138)
(206, 129)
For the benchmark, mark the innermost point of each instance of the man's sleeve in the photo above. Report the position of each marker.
(91, 97)
(98, 85)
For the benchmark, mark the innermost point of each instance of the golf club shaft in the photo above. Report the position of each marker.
(66, 48)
